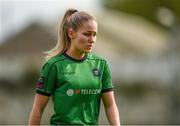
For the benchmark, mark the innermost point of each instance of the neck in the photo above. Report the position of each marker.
(75, 54)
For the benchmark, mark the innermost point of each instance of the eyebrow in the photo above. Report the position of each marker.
(91, 31)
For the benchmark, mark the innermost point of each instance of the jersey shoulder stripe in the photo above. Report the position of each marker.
(55, 59)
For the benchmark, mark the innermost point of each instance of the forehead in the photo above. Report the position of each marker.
(90, 25)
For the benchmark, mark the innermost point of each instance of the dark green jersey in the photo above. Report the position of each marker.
(76, 87)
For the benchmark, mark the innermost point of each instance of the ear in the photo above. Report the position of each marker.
(71, 33)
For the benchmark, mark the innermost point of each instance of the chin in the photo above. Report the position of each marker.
(87, 51)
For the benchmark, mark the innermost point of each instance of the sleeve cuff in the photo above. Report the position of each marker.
(107, 90)
(43, 93)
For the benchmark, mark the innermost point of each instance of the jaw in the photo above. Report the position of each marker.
(87, 51)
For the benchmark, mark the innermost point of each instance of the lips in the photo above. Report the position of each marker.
(89, 46)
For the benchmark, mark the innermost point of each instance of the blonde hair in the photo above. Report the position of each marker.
(72, 19)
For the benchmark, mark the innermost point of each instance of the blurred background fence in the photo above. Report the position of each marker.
(140, 39)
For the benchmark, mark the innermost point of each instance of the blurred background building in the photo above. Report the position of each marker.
(140, 40)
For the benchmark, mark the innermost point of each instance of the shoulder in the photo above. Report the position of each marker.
(92, 56)
(54, 60)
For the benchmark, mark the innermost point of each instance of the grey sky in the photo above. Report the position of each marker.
(16, 14)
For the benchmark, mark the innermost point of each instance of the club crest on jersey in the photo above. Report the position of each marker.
(96, 72)
(40, 82)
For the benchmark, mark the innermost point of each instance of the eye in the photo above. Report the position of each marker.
(87, 34)
(94, 34)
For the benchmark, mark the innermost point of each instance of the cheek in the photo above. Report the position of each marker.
(82, 39)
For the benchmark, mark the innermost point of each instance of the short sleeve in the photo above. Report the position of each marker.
(106, 79)
(47, 80)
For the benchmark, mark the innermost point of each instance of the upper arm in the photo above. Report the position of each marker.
(47, 80)
(40, 103)
(107, 87)
(108, 98)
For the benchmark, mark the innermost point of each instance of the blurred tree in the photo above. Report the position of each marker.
(161, 12)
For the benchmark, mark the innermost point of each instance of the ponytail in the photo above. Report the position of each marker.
(63, 40)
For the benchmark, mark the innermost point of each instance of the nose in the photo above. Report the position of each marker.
(92, 39)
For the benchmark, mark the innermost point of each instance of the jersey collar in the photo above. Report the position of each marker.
(76, 60)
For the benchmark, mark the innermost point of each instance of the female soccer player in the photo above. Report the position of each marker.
(75, 78)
